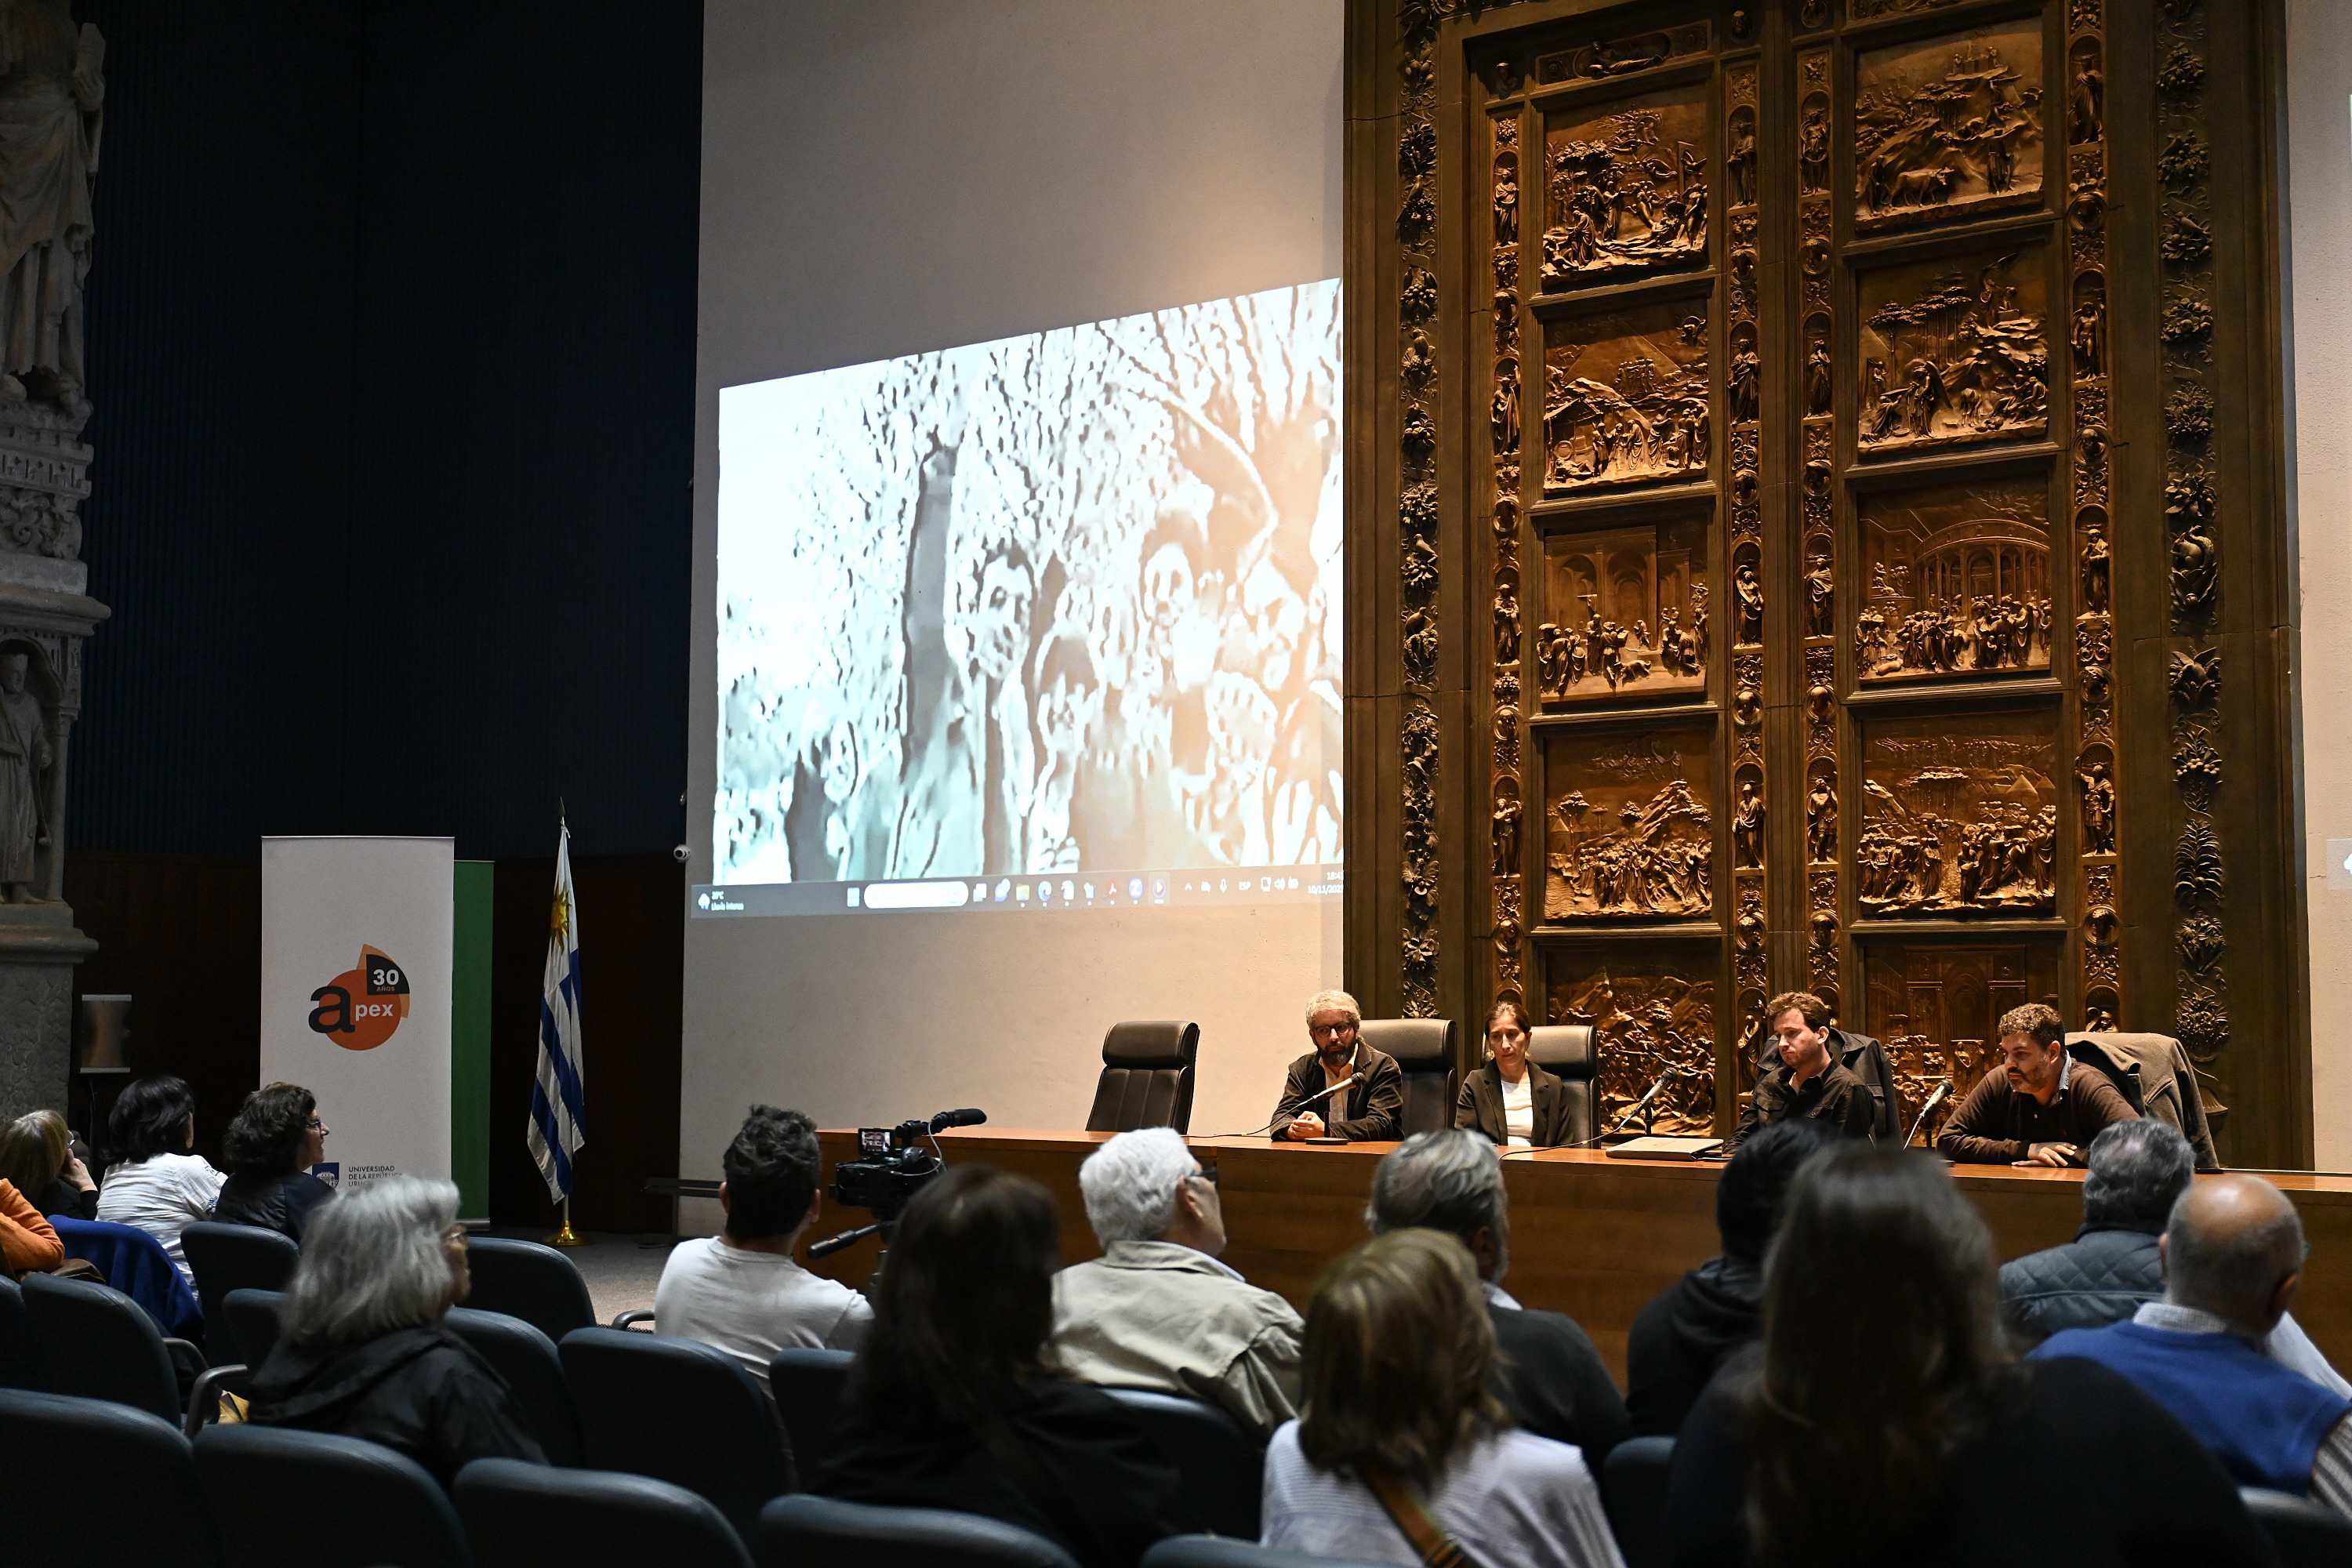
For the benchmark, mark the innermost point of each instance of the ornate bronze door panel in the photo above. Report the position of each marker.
(1816, 516)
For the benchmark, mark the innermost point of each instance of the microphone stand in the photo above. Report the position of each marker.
(1943, 1092)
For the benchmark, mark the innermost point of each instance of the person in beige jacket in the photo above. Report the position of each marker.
(1157, 1311)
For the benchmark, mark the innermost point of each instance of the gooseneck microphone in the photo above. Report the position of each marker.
(1943, 1092)
(1639, 1106)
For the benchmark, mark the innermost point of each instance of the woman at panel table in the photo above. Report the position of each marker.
(1511, 1099)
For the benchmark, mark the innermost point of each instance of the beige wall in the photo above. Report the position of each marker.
(896, 175)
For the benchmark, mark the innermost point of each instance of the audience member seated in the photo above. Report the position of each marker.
(1683, 1335)
(158, 1181)
(1157, 1311)
(1547, 1376)
(1810, 1081)
(1369, 1109)
(740, 1290)
(1403, 1450)
(951, 1404)
(2040, 1106)
(2233, 1252)
(28, 1244)
(1881, 1419)
(37, 1156)
(361, 1349)
(270, 1147)
(1511, 1099)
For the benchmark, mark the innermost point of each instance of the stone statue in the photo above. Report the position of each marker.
(25, 761)
(51, 88)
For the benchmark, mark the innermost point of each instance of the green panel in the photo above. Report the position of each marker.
(470, 1041)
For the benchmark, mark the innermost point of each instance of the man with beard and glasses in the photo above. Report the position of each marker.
(1369, 1109)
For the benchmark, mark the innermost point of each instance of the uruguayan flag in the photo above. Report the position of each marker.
(556, 1132)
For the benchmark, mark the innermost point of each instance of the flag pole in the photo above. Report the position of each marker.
(565, 1236)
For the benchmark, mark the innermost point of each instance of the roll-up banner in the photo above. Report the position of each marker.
(355, 995)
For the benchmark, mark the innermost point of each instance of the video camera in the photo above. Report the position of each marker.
(891, 1167)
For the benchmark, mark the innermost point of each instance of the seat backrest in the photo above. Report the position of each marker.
(1223, 1470)
(1147, 1076)
(1218, 1552)
(1424, 1049)
(69, 1462)
(2303, 1533)
(533, 1372)
(525, 1279)
(253, 1315)
(2156, 1076)
(808, 1531)
(22, 1364)
(99, 1345)
(282, 1496)
(515, 1513)
(1570, 1053)
(1634, 1490)
(807, 1387)
(678, 1411)
(135, 1263)
(226, 1258)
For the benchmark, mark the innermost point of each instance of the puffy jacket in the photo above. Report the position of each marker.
(423, 1391)
(2099, 1278)
(282, 1200)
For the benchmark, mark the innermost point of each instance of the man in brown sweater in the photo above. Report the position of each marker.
(2039, 1106)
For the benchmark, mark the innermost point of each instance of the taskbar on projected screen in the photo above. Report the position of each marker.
(1063, 890)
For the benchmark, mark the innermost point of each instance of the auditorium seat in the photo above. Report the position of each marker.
(807, 1531)
(528, 1281)
(22, 1364)
(1634, 1490)
(2154, 1074)
(281, 1496)
(69, 1462)
(679, 1411)
(1223, 1470)
(1566, 1051)
(98, 1345)
(1147, 1077)
(518, 1513)
(807, 1386)
(226, 1258)
(253, 1314)
(1219, 1551)
(1424, 1049)
(527, 1359)
(2303, 1533)
(135, 1263)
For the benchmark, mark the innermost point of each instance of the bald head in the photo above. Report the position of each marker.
(2235, 1247)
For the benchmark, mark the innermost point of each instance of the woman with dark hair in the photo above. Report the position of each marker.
(158, 1181)
(1882, 1418)
(270, 1147)
(1402, 1450)
(1510, 1099)
(951, 1403)
(36, 1157)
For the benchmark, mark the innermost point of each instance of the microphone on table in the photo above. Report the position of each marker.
(1943, 1092)
(1639, 1106)
(1348, 1082)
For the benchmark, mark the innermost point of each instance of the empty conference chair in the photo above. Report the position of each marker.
(252, 1316)
(22, 1364)
(69, 1462)
(525, 1279)
(226, 1258)
(533, 1372)
(679, 1411)
(808, 1531)
(2305, 1534)
(1424, 1049)
(807, 1386)
(515, 1513)
(1147, 1077)
(1219, 1551)
(99, 1345)
(1567, 1052)
(1223, 1470)
(136, 1264)
(281, 1496)
(2155, 1075)
(1634, 1490)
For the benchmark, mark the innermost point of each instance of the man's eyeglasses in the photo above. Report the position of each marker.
(454, 1235)
(1328, 1031)
(315, 1125)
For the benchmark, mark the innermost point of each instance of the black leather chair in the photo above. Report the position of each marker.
(253, 1316)
(807, 1387)
(525, 1279)
(1567, 1052)
(1223, 1470)
(679, 1411)
(226, 1258)
(22, 1364)
(1424, 1049)
(518, 1513)
(1218, 1552)
(1147, 1077)
(1634, 1490)
(282, 1496)
(2303, 1534)
(100, 1345)
(527, 1359)
(807, 1531)
(100, 1485)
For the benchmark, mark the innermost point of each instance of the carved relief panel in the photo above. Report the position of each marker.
(1935, 1007)
(1625, 613)
(1629, 825)
(1625, 188)
(1652, 1008)
(1627, 397)
(1948, 127)
(1955, 351)
(1954, 581)
(1961, 815)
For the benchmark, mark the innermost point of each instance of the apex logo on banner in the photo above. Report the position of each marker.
(361, 1008)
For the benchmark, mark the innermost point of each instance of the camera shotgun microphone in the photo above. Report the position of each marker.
(947, 1118)
(1943, 1092)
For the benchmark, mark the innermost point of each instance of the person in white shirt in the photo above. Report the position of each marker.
(158, 1181)
(1403, 1445)
(741, 1291)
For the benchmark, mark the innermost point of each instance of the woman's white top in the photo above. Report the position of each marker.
(162, 1196)
(1512, 1500)
(1520, 1109)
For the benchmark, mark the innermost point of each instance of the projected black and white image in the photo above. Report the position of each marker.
(1067, 602)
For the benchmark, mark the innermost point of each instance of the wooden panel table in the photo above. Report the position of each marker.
(1590, 1237)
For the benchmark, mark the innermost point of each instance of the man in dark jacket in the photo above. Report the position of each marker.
(1369, 1109)
(1807, 1079)
(2040, 1106)
(1682, 1336)
(1549, 1375)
